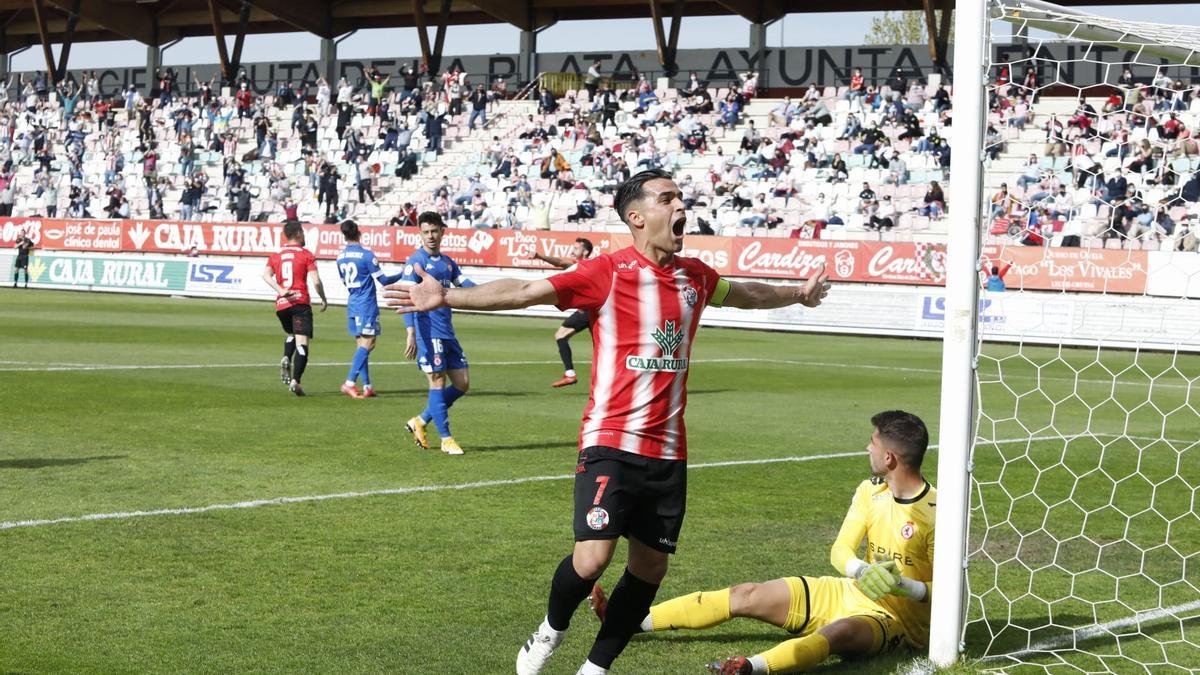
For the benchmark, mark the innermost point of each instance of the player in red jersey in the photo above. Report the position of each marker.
(290, 272)
(644, 304)
(577, 321)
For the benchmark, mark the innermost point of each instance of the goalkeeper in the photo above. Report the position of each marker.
(882, 601)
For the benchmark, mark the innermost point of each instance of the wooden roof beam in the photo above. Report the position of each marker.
(130, 21)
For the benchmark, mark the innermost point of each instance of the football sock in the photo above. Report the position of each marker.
(437, 410)
(356, 364)
(452, 394)
(289, 347)
(567, 590)
(300, 362)
(695, 610)
(796, 655)
(365, 371)
(631, 599)
(589, 668)
(564, 352)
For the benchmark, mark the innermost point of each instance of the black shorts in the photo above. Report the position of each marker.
(296, 320)
(22, 263)
(578, 321)
(620, 494)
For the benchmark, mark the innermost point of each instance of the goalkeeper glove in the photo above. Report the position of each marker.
(878, 579)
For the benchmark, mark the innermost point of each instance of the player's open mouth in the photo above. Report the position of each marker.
(677, 227)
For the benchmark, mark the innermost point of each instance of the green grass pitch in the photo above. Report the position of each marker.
(115, 404)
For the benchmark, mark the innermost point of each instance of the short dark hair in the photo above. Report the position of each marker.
(431, 217)
(350, 230)
(586, 244)
(632, 190)
(905, 434)
(292, 230)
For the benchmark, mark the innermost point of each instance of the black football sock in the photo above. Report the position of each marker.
(300, 362)
(627, 606)
(564, 352)
(567, 590)
(289, 347)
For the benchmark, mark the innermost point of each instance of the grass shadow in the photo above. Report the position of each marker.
(45, 462)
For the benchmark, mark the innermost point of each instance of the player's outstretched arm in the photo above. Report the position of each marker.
(560, 263)
(757, 295)
(493, 296)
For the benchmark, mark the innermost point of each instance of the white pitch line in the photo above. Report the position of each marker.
(1098, 629)
(254, 503)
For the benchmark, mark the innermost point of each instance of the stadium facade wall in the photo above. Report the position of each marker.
(780, 67)
(912, 263)
(904, 310)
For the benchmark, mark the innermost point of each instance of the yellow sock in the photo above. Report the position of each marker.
(796, 655)
(695, 610)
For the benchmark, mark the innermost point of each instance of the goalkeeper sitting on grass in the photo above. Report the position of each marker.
(875, 607)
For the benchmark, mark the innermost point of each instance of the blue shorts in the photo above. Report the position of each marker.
(435, 355)
(366, 324)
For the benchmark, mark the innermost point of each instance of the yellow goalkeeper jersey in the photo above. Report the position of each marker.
(896, 529)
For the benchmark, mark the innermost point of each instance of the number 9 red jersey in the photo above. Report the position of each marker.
(291, 266)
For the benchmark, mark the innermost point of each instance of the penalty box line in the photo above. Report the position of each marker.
(417, 489)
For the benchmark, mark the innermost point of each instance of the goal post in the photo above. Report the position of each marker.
(957, 412)
(1068, 468)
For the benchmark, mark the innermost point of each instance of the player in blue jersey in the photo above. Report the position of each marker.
(359, 270)
(431, 338)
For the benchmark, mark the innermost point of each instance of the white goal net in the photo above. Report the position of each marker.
(1082, 546)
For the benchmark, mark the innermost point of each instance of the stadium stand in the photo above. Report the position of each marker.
(854, 162)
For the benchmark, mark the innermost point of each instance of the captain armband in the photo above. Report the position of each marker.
(720, 293)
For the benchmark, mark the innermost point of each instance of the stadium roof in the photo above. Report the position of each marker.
(26, 23)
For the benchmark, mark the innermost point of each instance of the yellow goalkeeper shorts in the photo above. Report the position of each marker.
(817, 602)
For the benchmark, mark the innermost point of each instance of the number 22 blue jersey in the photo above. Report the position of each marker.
(359, 270)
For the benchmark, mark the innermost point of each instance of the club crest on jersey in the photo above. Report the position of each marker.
(668, 338)
(908, 530)
(690, 296)
(597, 518)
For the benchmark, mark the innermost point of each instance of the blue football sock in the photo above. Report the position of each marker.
(356, 364)
(452, 394)
(365, 371)
(437, 406)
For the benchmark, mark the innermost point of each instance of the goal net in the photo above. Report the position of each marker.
(1082, 540)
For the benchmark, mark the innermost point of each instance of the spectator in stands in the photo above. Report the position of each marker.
(377, 85)
(749, 87)
(1031, 173)
(851, 129)
(478, 100)
(1002, 202)
(241, 204)
(584, 210)
(995, 280)
(547, 104)
(934, 203)
(883, 216)
(364, 170)
(329, 190)
(783, 112)
(729, 112)
(592, 79)
(405, 217)
(941, 99)
(434, 125)
(857, 88)
(866, 199)
(818, 114)
(759, 213)
(838, 171)
(898, 83)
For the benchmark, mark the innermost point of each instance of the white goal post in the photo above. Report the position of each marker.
(1069, 476)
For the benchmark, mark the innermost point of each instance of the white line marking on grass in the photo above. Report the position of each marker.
(254, 503)
(1097, 629)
